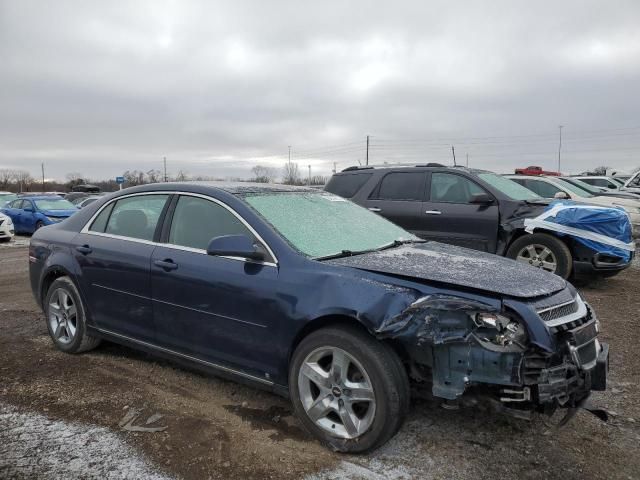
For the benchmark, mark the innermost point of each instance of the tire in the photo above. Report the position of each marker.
(372, 364)
(39, 225)
(67, 325)
(530, 249)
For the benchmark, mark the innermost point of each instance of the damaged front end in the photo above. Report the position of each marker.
(519, 357)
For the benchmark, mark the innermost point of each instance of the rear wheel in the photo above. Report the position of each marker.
(348, 389)
(543, 251)
(66, 319)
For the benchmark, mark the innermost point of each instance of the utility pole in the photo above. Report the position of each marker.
(559, 146)
(165, 168)
(42, 165)
(367, 149)
(453, 151)
(334, 167)
(467, 160)
(289, 153)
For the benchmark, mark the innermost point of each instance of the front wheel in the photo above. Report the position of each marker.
(543, 251)
(349, 390)
(39, 224)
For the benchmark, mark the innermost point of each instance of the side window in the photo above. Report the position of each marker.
(635, 181)
(136, 217)
(100, 223)
(599, 182)
(16, 204)
(401, 186)
(544, 189)
(197, 220)
(450, 188)
(26, 204)
(347, 185)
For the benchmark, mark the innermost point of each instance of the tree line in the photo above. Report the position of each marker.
(15, 180)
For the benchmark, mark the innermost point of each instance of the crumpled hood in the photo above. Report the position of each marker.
(59, 213)
(453, 265)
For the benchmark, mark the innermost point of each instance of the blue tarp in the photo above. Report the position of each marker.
(612, 222)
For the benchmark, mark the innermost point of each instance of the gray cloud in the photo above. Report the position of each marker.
(100, 87)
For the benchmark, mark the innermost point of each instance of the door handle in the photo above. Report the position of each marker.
(375, 209)
(84, 249)
(166, 264)
(433, 212)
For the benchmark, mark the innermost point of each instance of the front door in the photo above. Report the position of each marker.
(450, 217)
(114, 256)
(217, 309)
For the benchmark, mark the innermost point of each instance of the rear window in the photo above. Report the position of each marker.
(401, 186)
(347, 185)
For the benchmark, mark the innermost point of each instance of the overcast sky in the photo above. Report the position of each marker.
(217, 87)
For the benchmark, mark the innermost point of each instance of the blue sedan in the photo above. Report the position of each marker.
(314, 297)
(31, 213)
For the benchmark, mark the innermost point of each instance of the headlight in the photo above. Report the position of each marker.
(500, 329)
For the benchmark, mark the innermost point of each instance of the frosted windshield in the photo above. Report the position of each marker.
(321, 224)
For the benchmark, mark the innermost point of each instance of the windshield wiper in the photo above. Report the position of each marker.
(351, 253)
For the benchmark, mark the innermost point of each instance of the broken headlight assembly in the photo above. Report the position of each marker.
(499, 329)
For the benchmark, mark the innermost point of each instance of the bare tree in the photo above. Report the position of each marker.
(23, 179)
(154, 176)
(291, 174)
(263, 174)
(182, 176)
(7, 177)
(602, 170)
(319, 180)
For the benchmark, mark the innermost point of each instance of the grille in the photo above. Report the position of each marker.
(559, 311)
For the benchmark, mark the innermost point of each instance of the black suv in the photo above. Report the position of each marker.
(472, 208)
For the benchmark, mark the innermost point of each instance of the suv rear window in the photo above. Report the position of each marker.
(401, 186)
(348, 185)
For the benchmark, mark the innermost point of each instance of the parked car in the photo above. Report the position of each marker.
(31, 213)
(76, 197)
(600, 191)
(471, 208)
(551, 187)
(6, 197)
(6, 228)
(600, 181)
(311, 296)
(633, 184)
(533, 170)
(83, 202)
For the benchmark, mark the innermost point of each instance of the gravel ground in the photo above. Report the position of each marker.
(61, 415)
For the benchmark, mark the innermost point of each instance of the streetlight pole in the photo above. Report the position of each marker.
(559, 146)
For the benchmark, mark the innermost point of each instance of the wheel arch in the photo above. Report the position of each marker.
(50, 276)
(341, 319)
(521, 233)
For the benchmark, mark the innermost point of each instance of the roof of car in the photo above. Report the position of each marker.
(234, 188)
(42, 197)
(357, 168)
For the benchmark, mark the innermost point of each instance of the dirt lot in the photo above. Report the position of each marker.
(60, 414)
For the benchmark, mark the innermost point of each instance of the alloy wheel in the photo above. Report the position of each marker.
(336, 392)
(539, 256)
(63, 318)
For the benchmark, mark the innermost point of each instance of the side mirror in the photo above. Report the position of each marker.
(562, 196)
(481, 199)
(235, 246)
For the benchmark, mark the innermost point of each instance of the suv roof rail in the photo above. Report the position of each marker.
(396, 165)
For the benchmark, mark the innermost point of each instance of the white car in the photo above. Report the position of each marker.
(6, 228)
(550, 187)
(633, 184)
(601, 181)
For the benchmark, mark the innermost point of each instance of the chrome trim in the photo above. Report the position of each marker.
(121, 291)
(582, 311)
(188, 357)
(557, 306)
(86, 230)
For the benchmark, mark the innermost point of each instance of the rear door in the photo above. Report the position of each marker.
(14, 210)
(114, 256)
(450, 217)
(398, 197)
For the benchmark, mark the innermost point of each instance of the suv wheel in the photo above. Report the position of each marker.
(348, 389)
(543, 251)
(66, 318)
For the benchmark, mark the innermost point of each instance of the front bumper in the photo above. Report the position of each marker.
(600, 265)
